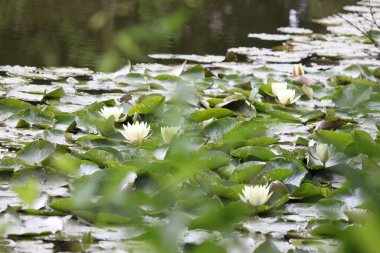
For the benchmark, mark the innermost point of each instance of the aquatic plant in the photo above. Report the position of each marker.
(256, 195)
(114, 111)
(169, 133)
(135, 132)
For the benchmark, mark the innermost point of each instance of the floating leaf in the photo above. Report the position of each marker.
(284, 116)
(12, 164)
(267, 247)
(298, 170)
(31, 117)
(338, 139)
(364, 144)
(307, 190)
(147, 105)
(352, 95)
(214, 159)
(203, 115)
(217, 128)
(245, 153)
(36, 152)
(245, 172)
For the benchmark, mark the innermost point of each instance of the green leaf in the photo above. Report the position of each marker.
(364, 144)
(341, 80)
(147, 105)
(376, 72)
(203, 115)
(212, 183)
(13, 105)
(245, 172)
(338, 139)
(283, 116)
(12, 164)
(307, 190)
(352, 96)
(88, 119)
(27, 191)
(106, 127)
(257, 152)
(217, 128)
(105, 218)
(102, 155)
(279, 174)
(93, 141)
(214, 159)
(297, 168)
(54, 136)
(64, 205)
(267, 247)
(57, 92)
(194, 73)
(31, 117)
(36, 152)
(262, 141)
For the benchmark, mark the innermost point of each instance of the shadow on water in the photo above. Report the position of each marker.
(103, 34)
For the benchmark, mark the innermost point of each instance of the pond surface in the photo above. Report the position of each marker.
(103, 34)
(73, 180)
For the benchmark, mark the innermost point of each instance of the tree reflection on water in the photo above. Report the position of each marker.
(104, 34)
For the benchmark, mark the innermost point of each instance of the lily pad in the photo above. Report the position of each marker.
(203, 115)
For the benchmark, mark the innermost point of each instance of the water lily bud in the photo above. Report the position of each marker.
(256, 195)
(323, 152)
(278, 87)
(135, 132)
(298, 70)
(168, 133)
(107, 112)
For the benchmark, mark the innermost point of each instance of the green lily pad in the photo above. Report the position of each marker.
(352, 95)
(339, 140)
(246, 172)
(203, 115)
(12, 164)
(308, 190)
(31, 117)
(147, 105)
(261, 153)
(36, 152)
(297, 168)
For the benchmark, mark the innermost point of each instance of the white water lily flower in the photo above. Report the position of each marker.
(168, 133)
(135, 132)
(287, 96)
(107, 112)
(324, 152)
(278, 87)
(298, 70)
(256, 195)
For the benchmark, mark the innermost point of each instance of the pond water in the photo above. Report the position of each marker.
(73, 180)
(103, 34)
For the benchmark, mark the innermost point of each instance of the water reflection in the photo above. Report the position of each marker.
(105, 33)
(293, 18)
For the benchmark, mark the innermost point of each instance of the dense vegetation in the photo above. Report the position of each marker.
(165, 158)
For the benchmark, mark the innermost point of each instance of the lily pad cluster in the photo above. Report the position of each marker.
(164, 158)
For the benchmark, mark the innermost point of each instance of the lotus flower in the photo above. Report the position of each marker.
(278, 87)
(256, 195)
(324, 152)
(168, 133)
(107, 112)
(135, 132)
(287, 96)
(298, 70)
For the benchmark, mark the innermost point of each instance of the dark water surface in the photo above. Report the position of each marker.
(103, 34)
